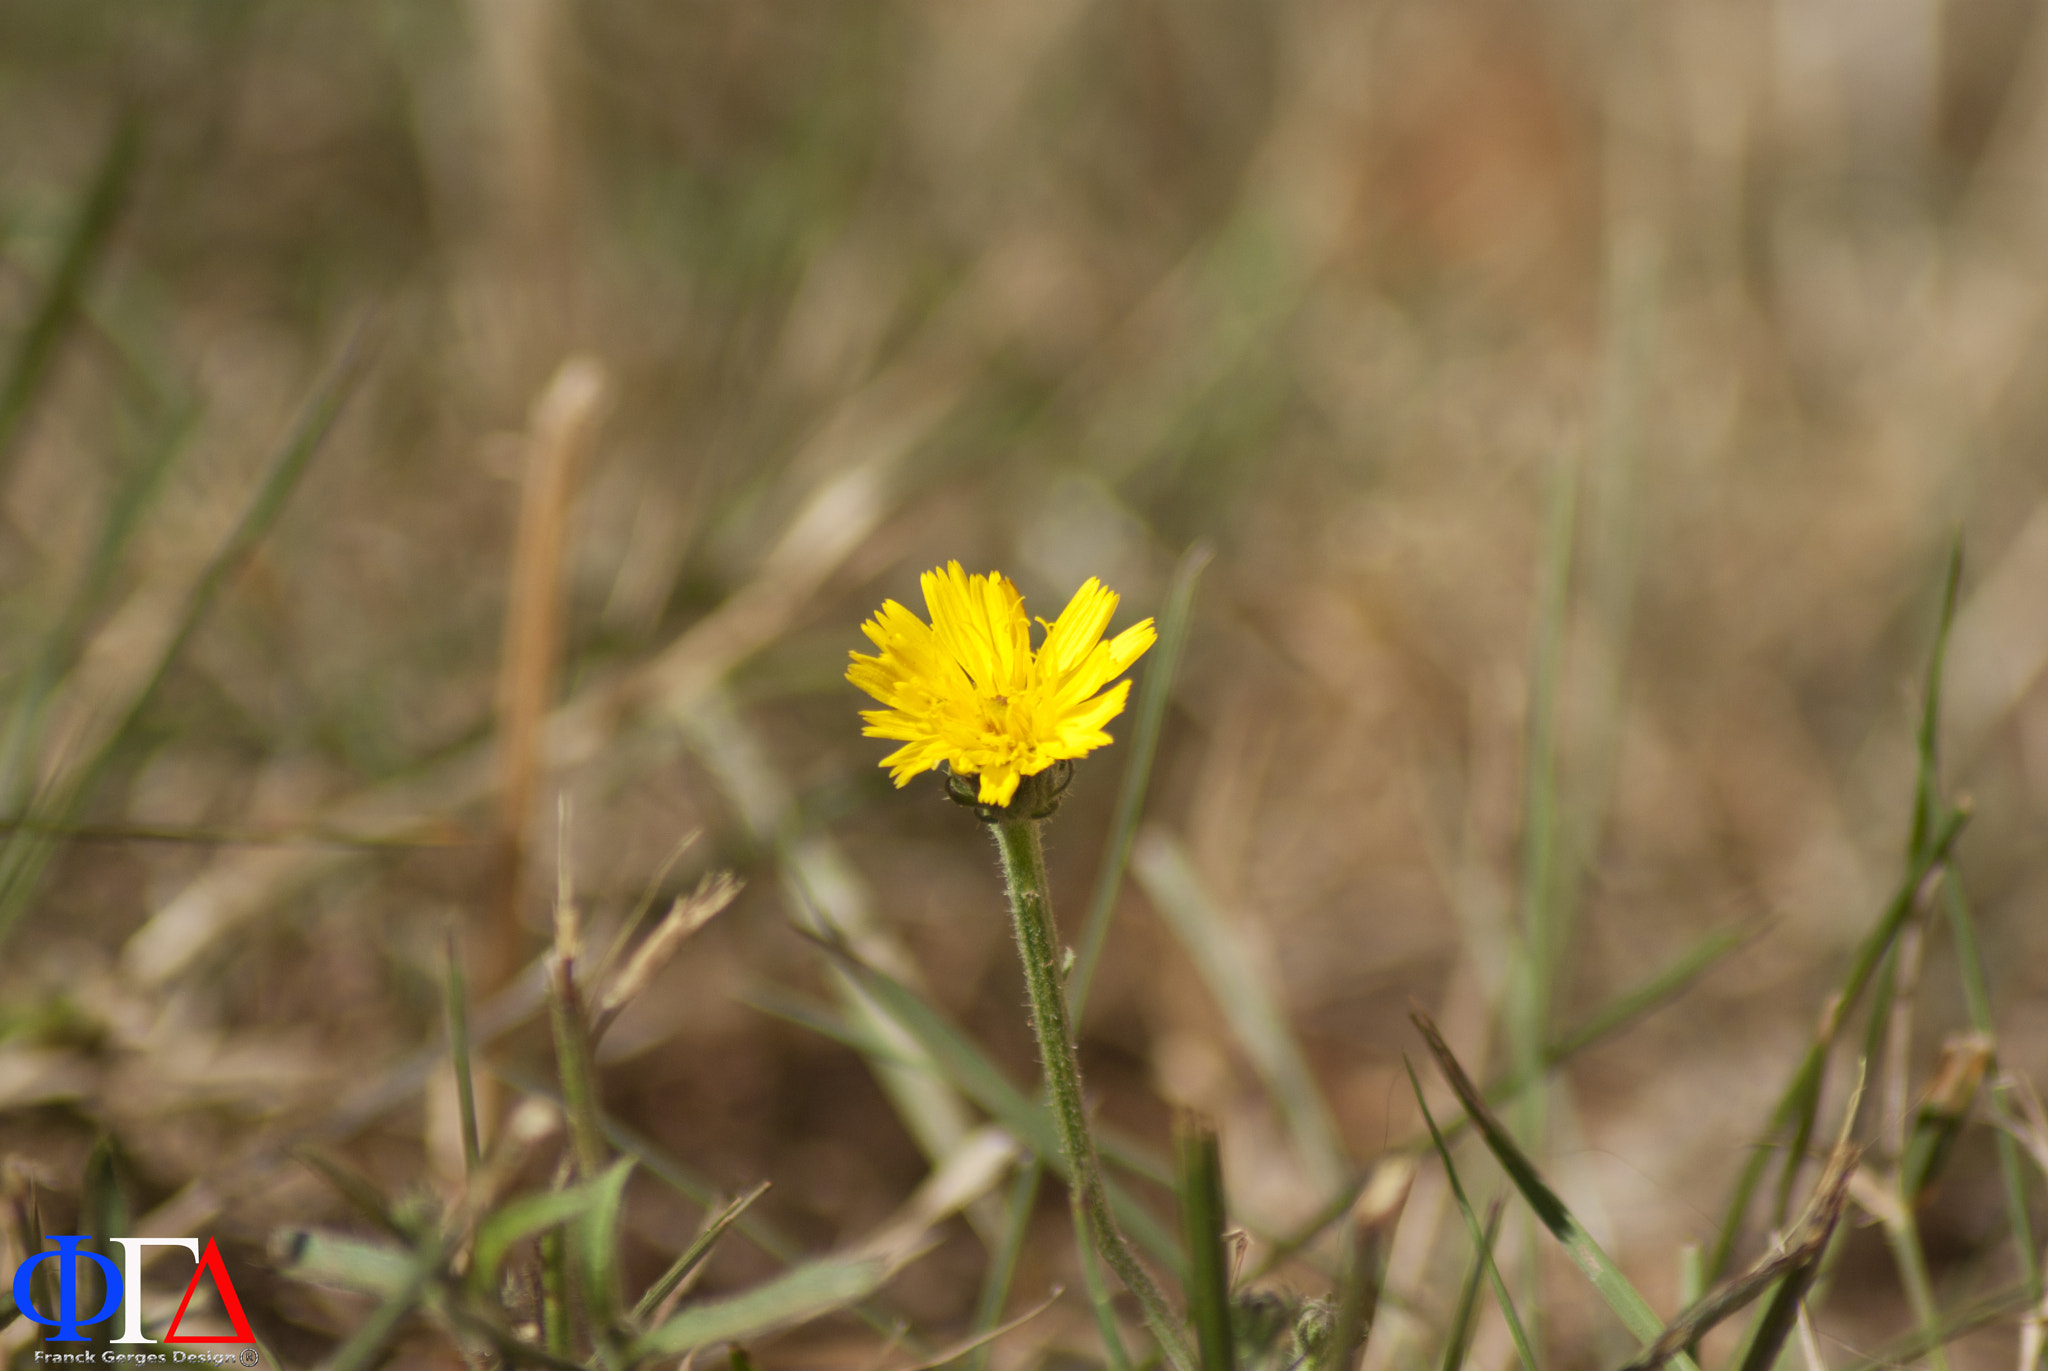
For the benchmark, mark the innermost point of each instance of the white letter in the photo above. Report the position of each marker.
(131, 1276)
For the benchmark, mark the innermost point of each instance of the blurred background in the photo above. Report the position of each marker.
(1579, 400)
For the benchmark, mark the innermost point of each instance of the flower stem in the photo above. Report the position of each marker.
(1038, 945)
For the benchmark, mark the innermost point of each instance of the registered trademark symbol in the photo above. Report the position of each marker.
(250, 1356)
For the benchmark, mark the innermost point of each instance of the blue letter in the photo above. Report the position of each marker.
(67, 1320)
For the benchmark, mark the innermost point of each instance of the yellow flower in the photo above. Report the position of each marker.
(967, 689)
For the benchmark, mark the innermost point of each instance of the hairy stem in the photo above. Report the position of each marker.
(1039, 945)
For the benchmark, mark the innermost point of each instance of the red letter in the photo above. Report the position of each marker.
(209, 1260)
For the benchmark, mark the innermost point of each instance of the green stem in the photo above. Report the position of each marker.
(1038, 945)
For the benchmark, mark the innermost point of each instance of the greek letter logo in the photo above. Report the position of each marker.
(67, 1321)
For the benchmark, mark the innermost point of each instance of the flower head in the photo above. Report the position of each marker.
(968, 690)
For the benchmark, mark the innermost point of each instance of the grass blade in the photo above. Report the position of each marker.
(1929, 842)
(554, 1292)
(1801, 1100)
(526, 1216)
(60, 647)
(458, 1053)
(356, 1189)
(1902, 1233)
(693, 1256)
(573, 1060)
(596, 1234)
(1927, 803)
(58, 306)
(1631, 1005)
(1605, 1277)
(1977, 994)
(1459, 1338)
(1202, 1226)
(1481, 1241)
(1543, 900)
(1766, 1339)
(827, 1024)
(809, 1291)
(1543, 931)
(1154, 694)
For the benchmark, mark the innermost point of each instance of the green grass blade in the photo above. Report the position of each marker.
(596, 1234)
(1625, 1008)
(356, 1189)
(1797, 1106)
(1605, 1277)
(554, 1292)
(1927, 783)
(1202, 1226)
(1902, 1233)
(1765, 1341)
(1542, 900)
(1482, 1243)
(103, 1212)
(1248, 1003)
(59, 303)
(827, 1024)
(59, 648)
(102, 1207)
(458, 1053)
(693, 1256)
(1155, 692)
(1929, 842)
(1458, 1338)
(575, 1067)
(521, 1218)
(1977, 994)
(1541, 847)
(809, 1291)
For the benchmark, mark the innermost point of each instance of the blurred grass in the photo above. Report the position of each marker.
(1352, 294)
